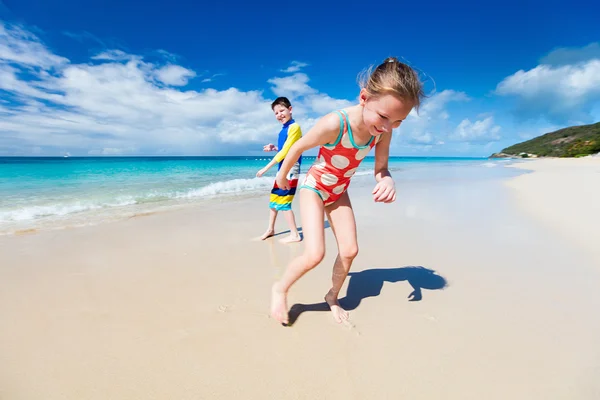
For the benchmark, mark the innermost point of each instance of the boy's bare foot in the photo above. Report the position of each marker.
(339, 314)
(267, 234)
(279, 309)
(291, 239)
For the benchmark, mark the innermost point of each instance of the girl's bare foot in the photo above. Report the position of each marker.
(267, 234)
(339, 314)
(291, 239)
(279, 309)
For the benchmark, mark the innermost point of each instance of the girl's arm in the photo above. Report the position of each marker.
(385, 190)
(382, 155)
(293, 135)
(326, 130)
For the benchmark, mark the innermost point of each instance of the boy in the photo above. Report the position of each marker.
(281, 200)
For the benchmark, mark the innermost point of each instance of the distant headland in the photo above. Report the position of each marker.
(574, 141)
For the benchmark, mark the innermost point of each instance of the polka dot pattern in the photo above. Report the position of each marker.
(334, 167)
(329, 179)
(346, 143)
(339, 189)
(310, 181)
(362, 153)
(340, 162)
(350, 173)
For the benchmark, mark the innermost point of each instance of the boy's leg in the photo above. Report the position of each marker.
(343, 224)
(291, 220)
(293, 177)
(271, 229)
(313, 227)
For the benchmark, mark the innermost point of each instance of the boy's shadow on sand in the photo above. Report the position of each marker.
(369, 283)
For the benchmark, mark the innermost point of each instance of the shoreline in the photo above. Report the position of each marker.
(92, 211)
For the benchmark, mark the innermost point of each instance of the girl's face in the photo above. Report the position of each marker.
(383, 113)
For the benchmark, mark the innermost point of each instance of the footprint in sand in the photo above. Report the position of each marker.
(223, 308)
(351, 327)
(226, 308)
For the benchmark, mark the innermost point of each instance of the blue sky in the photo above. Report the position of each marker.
(173, 78)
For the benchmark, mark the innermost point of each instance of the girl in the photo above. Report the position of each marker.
(386, 98)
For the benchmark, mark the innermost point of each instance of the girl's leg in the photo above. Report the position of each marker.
(271, 229)
(294, 235)
(314, 250)
(343, 224)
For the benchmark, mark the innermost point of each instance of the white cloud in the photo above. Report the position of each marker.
(572, 82)
(569, 56)
(22, 47)
(478, 131)
(212, 78)
(174, 75)
(120, 103)
(114, 55)
(419, 128)
(437, 102)
(83, 36)
(559, 92)
(168, 55)
(425, 138)
(433, 131)
(322, 104)
(295, 67)
(116, 106)
(292, 86)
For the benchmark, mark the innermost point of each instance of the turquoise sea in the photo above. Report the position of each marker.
(49, 192)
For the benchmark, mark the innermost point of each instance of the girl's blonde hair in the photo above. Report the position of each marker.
(395, 78)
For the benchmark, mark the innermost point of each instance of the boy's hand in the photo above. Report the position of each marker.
(385, 191)
(270, 147)
(261, 172)
(282, 182)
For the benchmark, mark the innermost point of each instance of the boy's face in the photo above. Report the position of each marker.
(282, 113)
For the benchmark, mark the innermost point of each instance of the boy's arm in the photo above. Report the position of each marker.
(294, 133)
(267, 167)
(270, 147)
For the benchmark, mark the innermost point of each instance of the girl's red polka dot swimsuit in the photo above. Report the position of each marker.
(336, 163)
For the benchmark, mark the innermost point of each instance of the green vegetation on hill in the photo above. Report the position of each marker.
(575, 141)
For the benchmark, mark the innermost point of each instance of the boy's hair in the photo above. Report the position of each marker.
(395, 78)
(283, 101)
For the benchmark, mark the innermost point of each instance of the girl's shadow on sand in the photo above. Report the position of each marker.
(369, 283)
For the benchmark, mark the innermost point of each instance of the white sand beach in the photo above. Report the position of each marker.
(175, 305)
(565, 194)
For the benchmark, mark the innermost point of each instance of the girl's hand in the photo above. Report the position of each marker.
(282, 182)
(385, 191)
(261, 172)
(270, 147)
